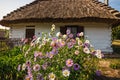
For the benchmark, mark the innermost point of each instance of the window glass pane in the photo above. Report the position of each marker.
(69, 28)
(74, 31)
(73, 28)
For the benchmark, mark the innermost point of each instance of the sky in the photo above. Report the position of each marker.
(6, 6)
(114, 4)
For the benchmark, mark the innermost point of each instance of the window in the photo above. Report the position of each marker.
(73, 28)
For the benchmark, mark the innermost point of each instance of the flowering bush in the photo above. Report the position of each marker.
(60, 57)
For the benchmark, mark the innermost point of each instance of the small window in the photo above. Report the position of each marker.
(73, 28)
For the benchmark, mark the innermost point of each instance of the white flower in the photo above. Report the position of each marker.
(59, 40)
(58, 34)
(53, 27)
(38, 40)
(39, 46)
(77, 39)
(77, 52)
(23, 66)
(99, 54)
(80, 43)
(64, 36)
(51, 76)
(98, 51)
(66, 73)
(81, 34)
(86, 50)
(87, 41)
(48, 39)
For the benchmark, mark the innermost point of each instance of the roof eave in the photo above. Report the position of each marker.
(63, 20)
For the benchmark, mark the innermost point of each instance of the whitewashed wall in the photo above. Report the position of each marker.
(17, 32)
(99, 34)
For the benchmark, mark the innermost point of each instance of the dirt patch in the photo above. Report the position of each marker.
(106, 70)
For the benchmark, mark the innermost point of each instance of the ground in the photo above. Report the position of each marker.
(107, 72)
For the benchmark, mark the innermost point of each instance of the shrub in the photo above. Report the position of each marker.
(116, 49)
(116, 33)
(9, 61)
(60, 58)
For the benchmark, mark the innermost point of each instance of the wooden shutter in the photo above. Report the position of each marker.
(63, 29)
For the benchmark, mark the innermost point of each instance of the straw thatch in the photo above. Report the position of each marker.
(63, 10)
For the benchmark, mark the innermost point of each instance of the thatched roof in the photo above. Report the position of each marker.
(63, 10)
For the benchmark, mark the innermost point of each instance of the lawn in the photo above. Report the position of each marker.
(116, 42)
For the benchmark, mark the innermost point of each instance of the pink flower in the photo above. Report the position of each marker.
(71, 35)
(44, 66)
(28, 77)
(28, 63)
(53, 44)
(40, 55)
(61, 43)
(19, 67)
(34, 37)
(68, 31)
(49, 55)
(36, 67)
(25, 41)
(69, 62)
(22, 39)
(35, 54)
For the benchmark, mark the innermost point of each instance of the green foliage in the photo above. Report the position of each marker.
(3, 46)
(5, 33)
(116, 49)
(9, 61)
(115, 66)
(48, 58)
(116, 33)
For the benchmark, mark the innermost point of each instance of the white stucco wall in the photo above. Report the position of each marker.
(17, 32)
(99, 34)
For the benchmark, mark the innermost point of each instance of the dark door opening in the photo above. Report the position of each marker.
(30, 33)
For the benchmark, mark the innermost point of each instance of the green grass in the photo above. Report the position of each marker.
(116, 42)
